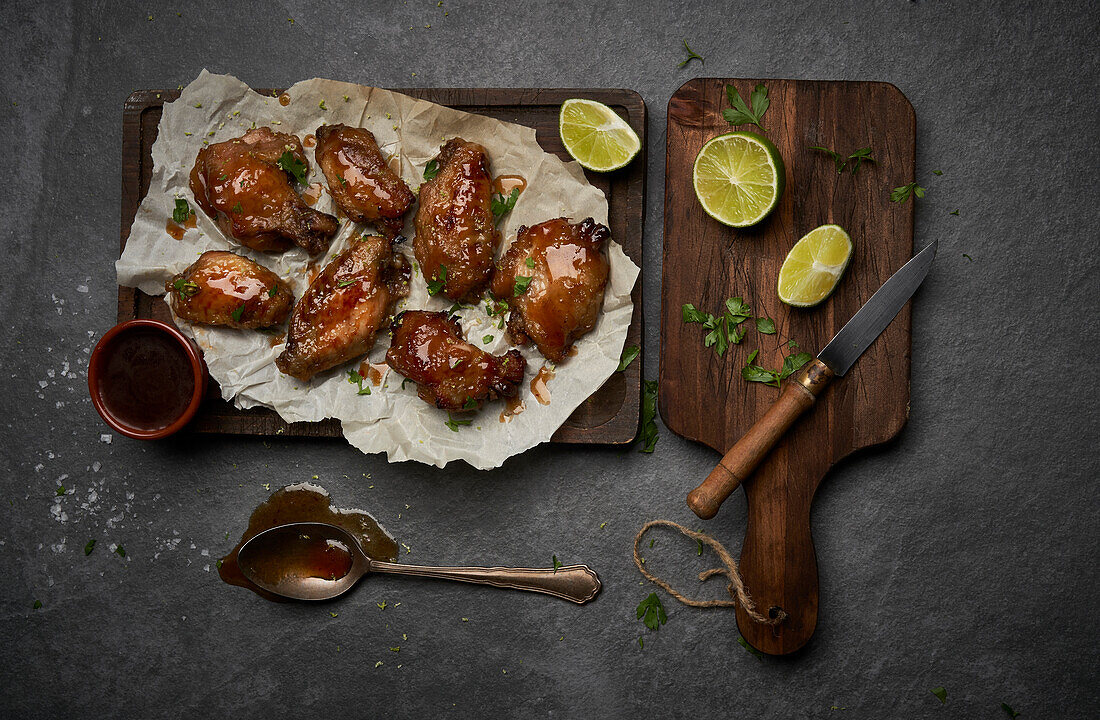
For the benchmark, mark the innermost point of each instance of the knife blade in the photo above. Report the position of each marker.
(801, 391)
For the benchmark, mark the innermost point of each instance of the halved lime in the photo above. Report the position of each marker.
(814, 265)
(738, 178)
(596, 136)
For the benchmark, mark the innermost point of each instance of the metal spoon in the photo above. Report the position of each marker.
(318, 561)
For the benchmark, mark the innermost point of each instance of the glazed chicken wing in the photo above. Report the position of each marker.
(456, 234)
(361, 183)
(450, 373)
(223, 288)
(240, 185)
(345, 306)
(553, 277)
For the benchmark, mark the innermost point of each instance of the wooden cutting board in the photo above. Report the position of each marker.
(703, 397)
(609, 416)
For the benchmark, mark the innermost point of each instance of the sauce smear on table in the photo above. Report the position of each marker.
(147, 379)
(305, 502)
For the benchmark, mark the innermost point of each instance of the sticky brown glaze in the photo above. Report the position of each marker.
(223, 288)
(450, 373)
(361, 183)
(239, 184)
(569, 273)
(455, 227)
(340, 314)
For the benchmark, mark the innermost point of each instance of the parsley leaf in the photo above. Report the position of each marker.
(837, 159)
(750, 649)
(740, 113)
(940, 693)
(1009, 711)
(765, 325)
(901, 194)
(938, 172)
(37, 604)
(182, 211)
(89, 547)
(356, 379)
(470, 404)
(294, 166)
(968, 257)
(530, 262)
(859, 157)
(238, 313)
(438, 282)
(692, 55)
(273, 291)
(722, 330)
(345, 283)
(453, 424)
(755, 373)
(431, 169)
(794, 362)
(652, 612)
(627, 357)
(691, 315)
(487, 339)
(120, 551)
(60, 490)
(185, 288)
(501, 205)
(953, 212)
(522, 283)
(556, 563)
(649, 414)
(237, 208)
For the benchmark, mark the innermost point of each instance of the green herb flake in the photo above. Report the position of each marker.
(218, 564)
(531, 263)
(238, 209)
(940, 693)
(649, 414)
(438, 282)
(652, 612)
(641, 644)
(628, 355)
(1009, 711)
(487, 339)
(182, 211)
(345, 283)
(273, 291)
(356, 379)
(692, 55)
(968, 257)
(89, 547)
(742, 114)
(322, 105)
(238, 313)
(765, 325)
(453, 424)
(522, 283)
(937, 172)
(857, 158)
(288, 162)
(502, 205)
(60, 490)
(750, 649)
(37, 604)
(470, 404)
(901, 194)
(431, 169)
(556, 563)
(954, 212)
(120, 551)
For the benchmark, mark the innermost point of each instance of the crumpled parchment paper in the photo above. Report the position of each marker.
(214, 108)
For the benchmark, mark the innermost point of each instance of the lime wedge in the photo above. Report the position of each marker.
(738, 178)
(814, 265)
(596, 136)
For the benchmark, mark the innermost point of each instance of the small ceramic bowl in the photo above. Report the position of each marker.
(146, 379)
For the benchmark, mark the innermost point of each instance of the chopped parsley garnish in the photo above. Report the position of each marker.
(237, 208)
(89, 547)
(322, 105)
(438, 282)
(185, 288)
(431, 169)
(1009, 711)
(345, 283)
(937, 172)
(502, 205)
(755, 373)
(652, 612)
(120, 551)
(530, 263)
(940, 693)
(627, 357)
(556, 563)
(60, 490)
(901, 194)
(742, 114)
(356, 379)
(968, 257)
(37, 604)
(273, 291)
(859, 157)
(692, 55)
(453, 424)
(470, 404)
(487, 339)
(750, 649)
(765, 325)
(522, 283)
(238, 313)
(294, 166)
(722, 330)
(649, 414)
(953, 212)
(182, 211)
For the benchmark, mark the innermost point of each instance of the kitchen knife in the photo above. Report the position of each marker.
(802, 390)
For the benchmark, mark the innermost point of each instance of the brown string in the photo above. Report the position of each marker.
(736, 587)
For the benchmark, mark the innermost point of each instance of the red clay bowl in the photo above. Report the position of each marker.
(146, 379)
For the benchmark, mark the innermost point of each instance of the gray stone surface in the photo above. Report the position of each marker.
(963, 554)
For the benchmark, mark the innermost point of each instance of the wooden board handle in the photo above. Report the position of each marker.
(737, 464)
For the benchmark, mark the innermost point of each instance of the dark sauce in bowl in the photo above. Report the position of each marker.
(145, 379)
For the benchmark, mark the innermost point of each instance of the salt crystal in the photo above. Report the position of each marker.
(82, 288)
(105, 438)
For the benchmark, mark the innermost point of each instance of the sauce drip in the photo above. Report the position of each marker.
(573, 351)
(504, 184)
(310, 503)
(372, 373)
(310, 140)
(313, 193)
(277, 340)
(284, 99)
(538, 385)
(147, 379)
(177, 231)
(512, 407)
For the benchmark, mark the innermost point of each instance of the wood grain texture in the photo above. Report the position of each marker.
(703, 397)
(610, 416)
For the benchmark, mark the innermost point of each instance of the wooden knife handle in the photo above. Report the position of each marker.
(795, 398)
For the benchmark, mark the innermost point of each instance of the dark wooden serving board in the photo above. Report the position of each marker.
(609, 416)
(703, 397)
